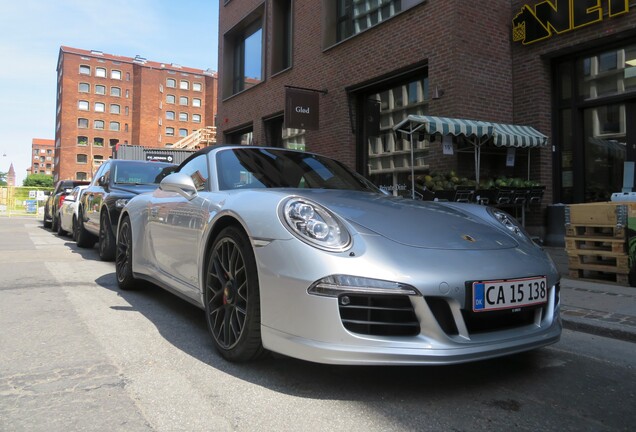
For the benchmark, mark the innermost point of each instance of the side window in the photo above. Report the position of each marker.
(197, 169)
(100, 172)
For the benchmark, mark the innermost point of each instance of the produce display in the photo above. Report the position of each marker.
(450, 181)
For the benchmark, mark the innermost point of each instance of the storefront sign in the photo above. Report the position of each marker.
(301, 109)
(561, 16)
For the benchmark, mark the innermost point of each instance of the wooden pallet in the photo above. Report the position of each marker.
(599, 276)
(574, 245)
(599, 261)
(604, 231)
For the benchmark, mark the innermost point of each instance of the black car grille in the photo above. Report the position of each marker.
(483, 322)
(378, 315)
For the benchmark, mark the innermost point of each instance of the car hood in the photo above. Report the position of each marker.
(423, 224)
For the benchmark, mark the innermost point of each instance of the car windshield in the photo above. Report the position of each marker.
(139, 173)
(272, 168)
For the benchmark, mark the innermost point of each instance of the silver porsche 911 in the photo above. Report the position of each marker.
(294, 253)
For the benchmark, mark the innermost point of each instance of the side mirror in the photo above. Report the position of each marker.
(179, 183)
(102, 181)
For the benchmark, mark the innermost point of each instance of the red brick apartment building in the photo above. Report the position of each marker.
(565, 67)
(42, 156)
(104, 100)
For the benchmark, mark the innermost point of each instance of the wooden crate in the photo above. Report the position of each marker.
(598, 239)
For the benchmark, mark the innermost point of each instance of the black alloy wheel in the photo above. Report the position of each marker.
(123, 256)
(84, 239)
(232, 298)
(106, 238)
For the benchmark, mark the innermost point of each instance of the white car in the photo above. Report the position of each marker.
(68, 212)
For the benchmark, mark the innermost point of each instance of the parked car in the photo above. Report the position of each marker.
(115, 182)
(295, 253)
(68, 212)
(53, 202)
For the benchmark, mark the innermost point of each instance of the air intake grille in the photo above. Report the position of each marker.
(378, 315)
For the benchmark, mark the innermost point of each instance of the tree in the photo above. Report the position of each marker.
(3, 178)
(38, 180)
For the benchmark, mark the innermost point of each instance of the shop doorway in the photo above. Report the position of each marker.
(595, 114)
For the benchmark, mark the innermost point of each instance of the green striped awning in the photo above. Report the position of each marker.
(504, 135)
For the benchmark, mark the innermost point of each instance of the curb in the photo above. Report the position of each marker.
(590, 327)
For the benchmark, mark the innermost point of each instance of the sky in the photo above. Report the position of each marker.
(184, 32)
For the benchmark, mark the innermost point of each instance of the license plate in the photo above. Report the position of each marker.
(509, 294)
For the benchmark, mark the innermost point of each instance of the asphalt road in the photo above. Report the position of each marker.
(77, 354)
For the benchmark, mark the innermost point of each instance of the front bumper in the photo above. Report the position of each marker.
(312, 328)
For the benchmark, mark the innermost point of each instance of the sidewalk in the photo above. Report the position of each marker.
(595, 307)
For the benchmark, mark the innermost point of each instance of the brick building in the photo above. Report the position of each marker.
(42, 156)
(104, 100)
(520, 62)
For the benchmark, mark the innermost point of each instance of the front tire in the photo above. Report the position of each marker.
(232, 297)
(123, 257)
(106, 238)
(84, 238)
(60, 231)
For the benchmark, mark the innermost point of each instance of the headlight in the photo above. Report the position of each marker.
(334, 285)
(507, 221)
(315, 225)
(121, 203)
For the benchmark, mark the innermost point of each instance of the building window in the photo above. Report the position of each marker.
(183, 132)
(126, 110)
(169, 115)
(197, 86)
(282, 35)
(82, 105)
(196, 102)
(388, 155)
(127, 76)
(242, 137)
(171, 83)
(98, 124)
(170, 131)
(100, 72)
(184, 85)
(245, 46)
(99, 107)
(115, 91)
(84, 87)
(82, 123)
(127, 93)
(183, 116)
(98, 142)
(115, 109)
(82, 140)
(170, 99)
(80, 175)
(84, 70)
(183, 100)
(196, 118)
(354, 16)
(114, 126)
(82, 158)
(115, 74)
(100, 89)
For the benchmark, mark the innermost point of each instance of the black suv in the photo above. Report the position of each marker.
(54, 201)
(115, 182)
